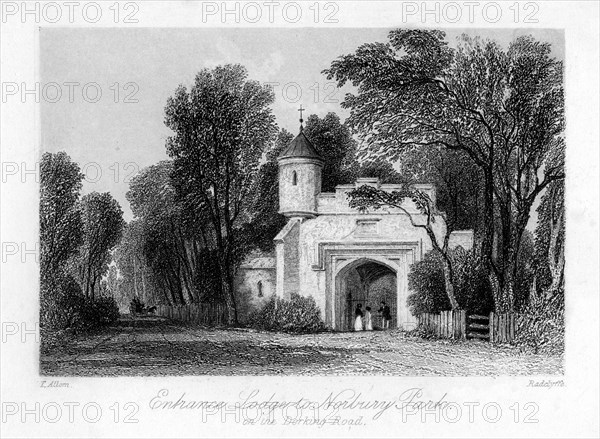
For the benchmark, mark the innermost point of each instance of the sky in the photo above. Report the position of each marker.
(112, 138)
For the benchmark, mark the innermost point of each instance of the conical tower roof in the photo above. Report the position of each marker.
(300, 146)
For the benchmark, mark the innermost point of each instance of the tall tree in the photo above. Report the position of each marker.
(60, 218)
(165, 245)
(504, 109)
(221, 127)
(102, 229)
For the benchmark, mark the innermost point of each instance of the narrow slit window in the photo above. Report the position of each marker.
(294, 178)
(260, 289)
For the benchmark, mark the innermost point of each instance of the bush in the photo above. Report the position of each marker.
(541, 326)
(426, 280)
(61, 299)
(101, 311)
(300, 314)
(63, 306)
(473, 291)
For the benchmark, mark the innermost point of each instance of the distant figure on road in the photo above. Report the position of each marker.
(358, 314)
(368, 321)
(386, 315)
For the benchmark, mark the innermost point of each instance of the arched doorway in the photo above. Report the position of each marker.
(366, 281)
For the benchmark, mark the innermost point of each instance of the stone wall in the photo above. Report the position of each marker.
(329, 203)
(299, 199)
(310, 253)
(287, 248)
(254, 285)
(378, 236)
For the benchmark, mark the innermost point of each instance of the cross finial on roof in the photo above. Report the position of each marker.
(301, 120)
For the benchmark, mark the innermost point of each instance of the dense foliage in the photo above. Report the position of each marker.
(76, 238)
(426, 281)
(458, 183)
(60, 217)
(335, 144)
(102, 230)
(221, 127)
(503, 109)
(550, 242)
(165, 255)
(64, 306)
(542, 324)
(299, 314)
(264, 220)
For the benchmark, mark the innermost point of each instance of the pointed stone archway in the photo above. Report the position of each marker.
(336, 257)
(354, 280)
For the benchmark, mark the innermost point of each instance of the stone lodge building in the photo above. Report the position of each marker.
(334, 253)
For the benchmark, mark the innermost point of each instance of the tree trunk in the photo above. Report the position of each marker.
(487, 244)
(448, 279)
(557, 282)
(177, 286)
(228, 290)
(230, 305)
(533, 296)
(556, 251)
(495, 287)
(508, 292)
(135, 274)
(167, 296)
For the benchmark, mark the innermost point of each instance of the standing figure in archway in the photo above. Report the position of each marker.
(386, 315)
(368, 320)
(358, 315)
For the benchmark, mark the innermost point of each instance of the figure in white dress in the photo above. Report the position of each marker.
(358, 315)
(368, 320)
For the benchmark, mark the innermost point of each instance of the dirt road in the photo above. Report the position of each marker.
(159, 347)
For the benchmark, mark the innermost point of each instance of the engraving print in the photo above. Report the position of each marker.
(304, 202)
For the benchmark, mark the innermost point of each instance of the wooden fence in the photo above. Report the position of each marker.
(502, 327)
(207, 314)
(497, 328)
(447, 324)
